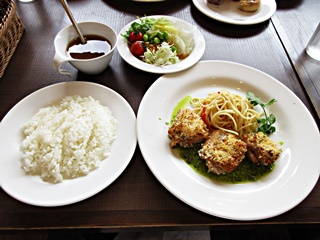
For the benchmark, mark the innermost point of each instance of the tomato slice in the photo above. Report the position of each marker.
(203, 116)
(135, 36)
(137, 49)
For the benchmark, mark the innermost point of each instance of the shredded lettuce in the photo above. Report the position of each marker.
(163, 56)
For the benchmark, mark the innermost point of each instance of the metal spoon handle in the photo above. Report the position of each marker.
(66, 8)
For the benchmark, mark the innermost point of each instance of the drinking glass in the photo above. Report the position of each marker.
(26, 1)
(313, 47)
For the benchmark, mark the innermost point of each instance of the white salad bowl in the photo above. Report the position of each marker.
(193, 58)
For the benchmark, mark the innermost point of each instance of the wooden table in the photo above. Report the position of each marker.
(136, 200)
(295, 22)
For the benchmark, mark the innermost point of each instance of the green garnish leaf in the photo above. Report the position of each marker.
(266, 122)
(143, 26)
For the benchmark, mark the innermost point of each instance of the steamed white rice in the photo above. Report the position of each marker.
(68, 140)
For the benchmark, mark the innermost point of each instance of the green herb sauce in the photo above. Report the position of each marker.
(247, 171)
(181, 104)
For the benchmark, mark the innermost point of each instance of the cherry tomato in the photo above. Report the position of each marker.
(135, 36)
(137, 49)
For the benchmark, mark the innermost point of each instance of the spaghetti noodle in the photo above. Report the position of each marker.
(228, 112)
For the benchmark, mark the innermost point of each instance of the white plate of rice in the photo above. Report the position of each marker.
(35, 189)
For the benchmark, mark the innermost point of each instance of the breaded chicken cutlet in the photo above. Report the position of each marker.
(223, 152)
(261, 149)
(187, 129)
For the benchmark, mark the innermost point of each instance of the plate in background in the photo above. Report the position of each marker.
(229, 12)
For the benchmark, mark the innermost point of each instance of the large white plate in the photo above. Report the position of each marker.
(31, 189)
(229, 12)
(296, 171)
(192, 59)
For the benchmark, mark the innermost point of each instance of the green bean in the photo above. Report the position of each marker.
(153, 35)
(156, 40)
(145, 37)
(166, 35)
(160, 35)
(174, 49)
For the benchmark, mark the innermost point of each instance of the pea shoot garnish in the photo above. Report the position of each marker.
(266, 122)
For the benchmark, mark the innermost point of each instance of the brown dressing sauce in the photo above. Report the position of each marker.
(96, 46)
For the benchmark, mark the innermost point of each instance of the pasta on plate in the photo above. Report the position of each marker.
(228, 112)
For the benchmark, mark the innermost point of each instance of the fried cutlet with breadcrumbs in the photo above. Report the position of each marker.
(223, 152)
(187, 129)
(261, 149)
